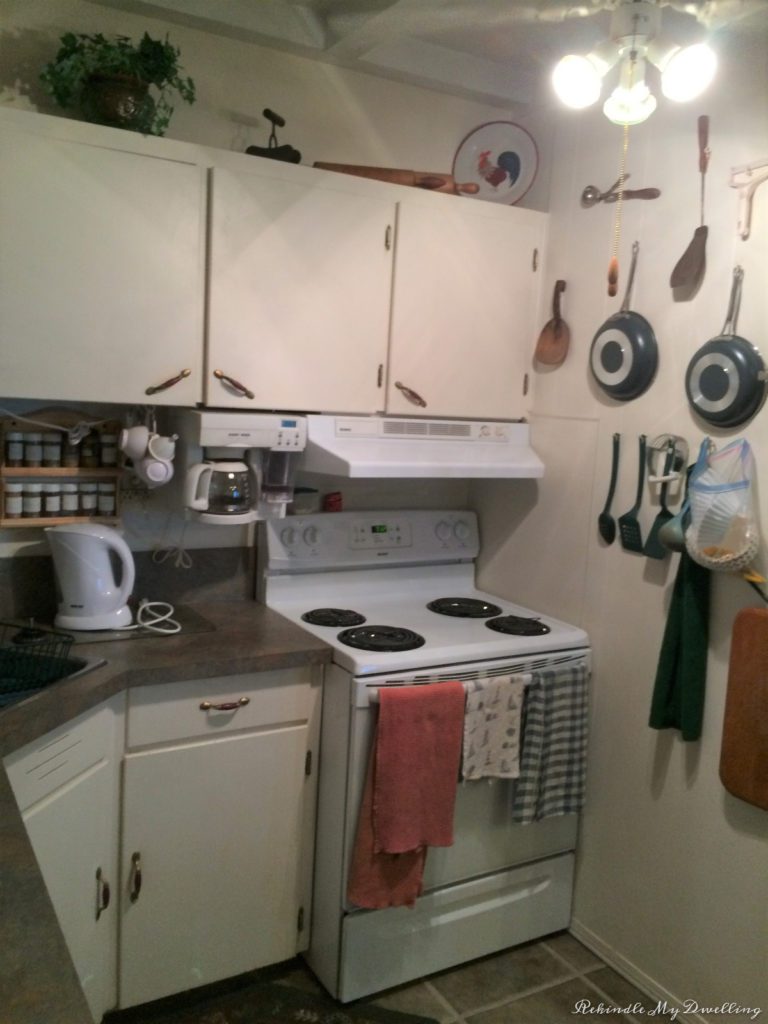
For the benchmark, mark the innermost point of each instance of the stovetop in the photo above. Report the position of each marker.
(327, 572)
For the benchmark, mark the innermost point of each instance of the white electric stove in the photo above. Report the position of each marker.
(394, 594)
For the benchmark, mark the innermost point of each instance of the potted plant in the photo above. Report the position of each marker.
(109, 80)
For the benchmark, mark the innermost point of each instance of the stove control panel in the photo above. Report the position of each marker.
(355, 539)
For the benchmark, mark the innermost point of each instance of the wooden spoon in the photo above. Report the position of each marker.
(552, 346)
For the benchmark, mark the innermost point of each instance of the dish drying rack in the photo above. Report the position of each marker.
(31, 657)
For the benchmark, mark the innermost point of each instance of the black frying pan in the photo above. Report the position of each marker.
(725, 380)
(624, 354)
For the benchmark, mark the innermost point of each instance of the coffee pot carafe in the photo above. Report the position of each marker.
(222, 491)
(91, 594)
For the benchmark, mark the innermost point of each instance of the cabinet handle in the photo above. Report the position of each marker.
(411, 395)
(234, 384)
(103, 893)
(135, 882)
(154, 388)
(388, 238)
(230, 705)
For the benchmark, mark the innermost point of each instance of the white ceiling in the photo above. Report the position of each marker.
(492, 51)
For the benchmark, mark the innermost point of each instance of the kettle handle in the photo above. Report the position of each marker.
(196, 486)
(114, 541)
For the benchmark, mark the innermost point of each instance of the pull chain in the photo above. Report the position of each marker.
(613, 264)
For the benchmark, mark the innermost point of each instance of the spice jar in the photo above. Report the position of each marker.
(108, 449)
(13, 501)
(106, 502)
(89, 455)
(88, 499)
(52, 499)
(69, 501)
(14, 448)
(52, 449)
(32, 501)
(70, 453)
(33, 449)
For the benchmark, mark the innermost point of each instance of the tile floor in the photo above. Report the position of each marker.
(537, 983)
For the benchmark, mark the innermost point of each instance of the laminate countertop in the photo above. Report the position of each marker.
(38, 983)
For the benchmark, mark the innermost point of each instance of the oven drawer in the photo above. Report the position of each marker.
(168, 712)
(383, 948)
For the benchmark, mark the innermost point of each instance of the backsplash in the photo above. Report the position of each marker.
(27, 587)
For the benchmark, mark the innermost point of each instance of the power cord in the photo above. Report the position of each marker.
(156, 617)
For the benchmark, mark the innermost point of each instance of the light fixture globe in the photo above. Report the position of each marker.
(630, 106)
(688, 72)
(577, 81)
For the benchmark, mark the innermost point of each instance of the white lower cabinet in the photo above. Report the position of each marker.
(67, 785)
(218, 822)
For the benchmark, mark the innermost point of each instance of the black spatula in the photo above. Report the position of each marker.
(629, 525)
(653, 545)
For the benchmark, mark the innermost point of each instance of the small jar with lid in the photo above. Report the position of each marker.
(70, 505)
(52, 499)
(89, 453)
(70, 453)
(89, 502)
(14, 500)
(14, 448)
(106, 499)
(32, 500)
(108, 449)
(33, 449)
(52, 449)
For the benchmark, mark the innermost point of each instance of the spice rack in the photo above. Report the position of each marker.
(60, 420)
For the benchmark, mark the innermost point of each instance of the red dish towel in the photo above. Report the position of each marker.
(410, 792)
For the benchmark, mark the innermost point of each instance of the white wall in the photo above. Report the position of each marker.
(673, 871)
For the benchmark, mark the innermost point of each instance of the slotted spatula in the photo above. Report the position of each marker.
(653, 545)
(629, 525)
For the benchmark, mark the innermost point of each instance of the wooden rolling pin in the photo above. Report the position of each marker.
(417, 179)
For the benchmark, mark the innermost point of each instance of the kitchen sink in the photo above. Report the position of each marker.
(17, 685)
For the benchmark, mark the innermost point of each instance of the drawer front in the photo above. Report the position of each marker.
(167, 712)
(41, 767)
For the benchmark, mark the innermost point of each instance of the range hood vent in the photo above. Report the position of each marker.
(376, 446)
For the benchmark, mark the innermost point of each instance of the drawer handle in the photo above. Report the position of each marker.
(135, 886)
(230, 705)
(103, 893)
(154, 388)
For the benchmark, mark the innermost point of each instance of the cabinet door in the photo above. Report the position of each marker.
(465, 296)
(220, 830)
(67, 784)
(101, 273)
(299, 295)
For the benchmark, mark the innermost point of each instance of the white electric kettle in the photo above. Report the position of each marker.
(90, 596)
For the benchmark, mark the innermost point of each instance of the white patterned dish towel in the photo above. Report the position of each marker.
(492, 721)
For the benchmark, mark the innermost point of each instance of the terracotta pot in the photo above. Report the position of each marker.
(116, 100)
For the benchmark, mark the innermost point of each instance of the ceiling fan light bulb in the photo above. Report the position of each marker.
(630, 106)
(576, 81)
(688, 72)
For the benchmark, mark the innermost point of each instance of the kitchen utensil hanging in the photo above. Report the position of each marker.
(689, 270)
(629, 524)
(725, 380)
(592, 195)
(624, 354)
(606, 524)
(552, 346)
(654, 548)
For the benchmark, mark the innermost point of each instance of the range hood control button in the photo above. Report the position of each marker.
(443, 530)
(461, 530)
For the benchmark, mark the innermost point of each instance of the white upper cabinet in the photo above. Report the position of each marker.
(299, 293)
(465, 297)
(101, 272)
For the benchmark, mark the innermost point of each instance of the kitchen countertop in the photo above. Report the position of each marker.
(38, 983)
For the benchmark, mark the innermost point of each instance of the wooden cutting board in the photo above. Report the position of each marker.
(744, 750)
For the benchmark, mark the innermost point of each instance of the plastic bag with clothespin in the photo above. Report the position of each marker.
(724, 531)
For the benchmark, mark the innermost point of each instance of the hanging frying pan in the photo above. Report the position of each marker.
(725, 380)
(624, 354)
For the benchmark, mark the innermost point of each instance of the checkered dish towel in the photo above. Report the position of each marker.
(554, 745)
(492, 728)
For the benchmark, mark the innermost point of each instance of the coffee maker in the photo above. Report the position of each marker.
(238, 467)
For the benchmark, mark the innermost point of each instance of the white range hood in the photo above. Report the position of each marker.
(376, 446)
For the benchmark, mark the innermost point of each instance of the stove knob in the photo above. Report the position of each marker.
(311, 535)
(461, 530)
(288, 536)
(443, 530)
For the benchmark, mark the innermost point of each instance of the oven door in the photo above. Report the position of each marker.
(485, 840)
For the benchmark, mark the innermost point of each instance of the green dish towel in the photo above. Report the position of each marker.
(678, 692)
